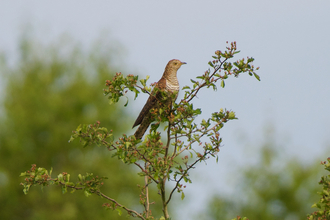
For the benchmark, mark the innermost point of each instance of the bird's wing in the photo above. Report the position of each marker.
(151, 102)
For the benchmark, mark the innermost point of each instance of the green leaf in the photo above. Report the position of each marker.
(198, 111)
(231, 115)
(126, 101)
(211, 64)
(68, 177)
(26, 189)
(64, 189)
(69, 184)
(119, 211)
(23, 174)
(182, 195)
(71, 139)
(104, 129)
(87, 193)
(222, 83)
(256, 76)
(128, 144)
(191, 154)
(79, 127)
(143, 82)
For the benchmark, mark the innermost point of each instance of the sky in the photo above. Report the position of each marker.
(288, 39)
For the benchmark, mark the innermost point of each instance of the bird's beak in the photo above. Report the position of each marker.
(183, 63)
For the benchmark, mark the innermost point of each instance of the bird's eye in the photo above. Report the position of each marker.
(175, 63)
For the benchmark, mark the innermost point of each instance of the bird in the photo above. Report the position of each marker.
(168, 84)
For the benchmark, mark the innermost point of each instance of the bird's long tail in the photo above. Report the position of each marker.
(142, 129)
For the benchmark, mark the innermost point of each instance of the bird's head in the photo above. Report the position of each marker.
(174, 64)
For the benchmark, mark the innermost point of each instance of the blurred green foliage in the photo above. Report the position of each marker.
(274, 187)
(323, 205)
(48, 92)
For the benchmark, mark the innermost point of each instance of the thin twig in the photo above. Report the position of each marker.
(129, 211)
(142, 89)
(204, 133)
(145, 171)
(138, 165)
(178, 181)
(168, 139)
(147, 191)
(195, 91)
(175, 147)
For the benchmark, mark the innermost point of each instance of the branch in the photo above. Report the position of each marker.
(175, 147)
(203, 133)
(147, 204)
(143, 170)
(168, 139)
(142, 89)
(129, 211)
(195, 91)
(185, 172)
(192, 165)
(137, 164)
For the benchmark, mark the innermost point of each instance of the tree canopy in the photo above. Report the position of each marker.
(49, 90)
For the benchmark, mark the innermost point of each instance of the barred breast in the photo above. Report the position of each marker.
(172, 85)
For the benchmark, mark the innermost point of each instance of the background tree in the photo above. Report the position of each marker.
(49, 90)
(274, 187)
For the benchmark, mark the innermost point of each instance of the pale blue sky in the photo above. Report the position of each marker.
(290, 41)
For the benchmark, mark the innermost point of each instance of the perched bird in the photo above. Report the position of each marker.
(168, 84)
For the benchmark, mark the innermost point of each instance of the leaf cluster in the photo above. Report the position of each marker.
(40, 176)
(323, 205)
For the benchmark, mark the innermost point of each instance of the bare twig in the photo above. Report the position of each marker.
(129, 211)
(146, 172)
(147, 192)
(137, 164)
(178, 181)
(164, 203)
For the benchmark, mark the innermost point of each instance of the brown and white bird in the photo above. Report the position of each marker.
(168, 84)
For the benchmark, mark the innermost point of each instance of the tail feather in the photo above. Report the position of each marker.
(142, 129)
